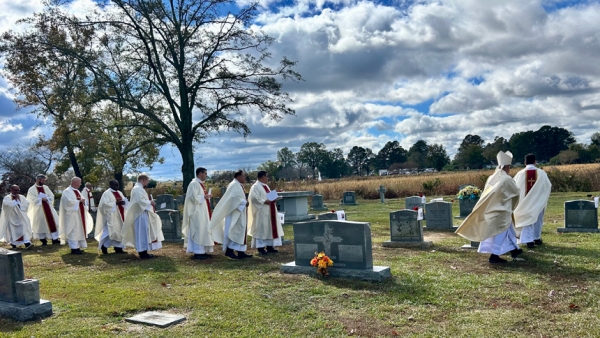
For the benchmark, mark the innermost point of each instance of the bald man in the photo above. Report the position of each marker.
(74, 220)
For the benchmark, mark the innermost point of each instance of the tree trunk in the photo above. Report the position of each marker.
(73, 160)
(119, 177)
(187, 168)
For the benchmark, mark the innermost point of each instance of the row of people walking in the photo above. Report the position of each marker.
(121, 222)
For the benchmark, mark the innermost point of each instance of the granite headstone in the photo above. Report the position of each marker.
(439, 216)
(317, 202)
(165, 202)
(406, 231)
(349, 198)
(413, 201)
(580, 216)
(171, 226)
(348, 244)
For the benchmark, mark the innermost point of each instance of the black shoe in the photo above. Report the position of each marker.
(44, 242)
(119, 251)
(229, 253)
(262, 252)
(200, 257)
(538, 242)
(28, 246)
(516, 252)
(76, 252)
(13, 246)
(145, 255)
(242, 255)
(56, 241)
(496, 259)
(271, 249)
(530, 245)
(104, 250)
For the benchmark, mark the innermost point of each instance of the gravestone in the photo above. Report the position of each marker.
(465, 207)
(317, 202)
(439, 216)
(413, 201)
(406, 231)
(348, 244)
(171, 225)
(471, 245)
(382, 193)
(580, 216)
(179, 201)
(19, 297)
(156, 319)
(223, 190)
(165, 202)
(349, 198)
(295, 205)
(327, 216)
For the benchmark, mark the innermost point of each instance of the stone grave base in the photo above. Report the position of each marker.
(293, 219)
(407, 245)
(460, 217)
(451, 229)
(156, 319)
(23, 313)
(472, 245)
(577, 230)
(377, 274)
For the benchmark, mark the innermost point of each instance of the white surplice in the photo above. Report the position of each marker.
(259, 218)
(228, 223)
(39, 221)
(529, 215)
(89, 199)
(142, 228)
(15, 227)
(74, 220)
(109, 221)
(196, 220)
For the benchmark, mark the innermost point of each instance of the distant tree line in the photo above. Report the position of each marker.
(552, 145)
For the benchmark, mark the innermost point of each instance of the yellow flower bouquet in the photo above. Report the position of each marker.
(321, 262)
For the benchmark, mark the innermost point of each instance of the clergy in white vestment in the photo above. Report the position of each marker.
(228, 222)
(264, 224)
(196, 218)
(110, 218)
(15, 227)
(89, 198)
(535, 190)
(74, 220)
(491, 221)
(142, 228)
(41, 212)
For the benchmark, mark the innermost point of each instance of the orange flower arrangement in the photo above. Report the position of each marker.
(321, 262)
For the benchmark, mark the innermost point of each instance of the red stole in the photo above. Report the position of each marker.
(89, 195)
(81, 211)
(16, 198)
(121, 209)
(47, 212)
(207, 201)
(273, 215)
(530, 178)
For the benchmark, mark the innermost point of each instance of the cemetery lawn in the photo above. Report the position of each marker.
(438, 292)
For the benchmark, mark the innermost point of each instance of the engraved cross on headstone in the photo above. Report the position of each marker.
(327, 239)
(580, 204)
(382, 193)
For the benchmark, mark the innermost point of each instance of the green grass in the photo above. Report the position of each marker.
(439, 292)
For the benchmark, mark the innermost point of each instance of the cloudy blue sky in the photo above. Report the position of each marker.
(402, 70)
